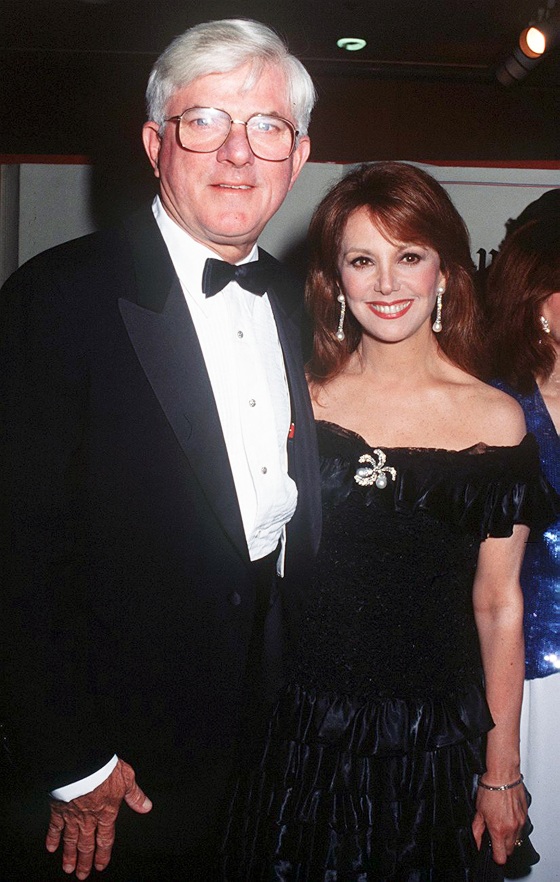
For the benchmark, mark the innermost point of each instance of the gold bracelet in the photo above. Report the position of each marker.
(502, 786)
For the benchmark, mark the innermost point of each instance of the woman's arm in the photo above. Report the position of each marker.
(498, 608)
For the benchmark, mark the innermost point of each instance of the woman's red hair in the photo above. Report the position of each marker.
(525, 272)
(407, 205)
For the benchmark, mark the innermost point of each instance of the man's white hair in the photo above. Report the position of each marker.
(223, 46)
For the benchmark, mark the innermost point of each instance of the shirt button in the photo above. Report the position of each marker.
(240, 334)
(252, 402)
(264, 470)
(234, 598)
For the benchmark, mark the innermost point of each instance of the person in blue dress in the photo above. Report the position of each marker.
(523, 296)
(392, 754)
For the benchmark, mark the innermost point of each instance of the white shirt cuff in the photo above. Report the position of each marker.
(85, 785)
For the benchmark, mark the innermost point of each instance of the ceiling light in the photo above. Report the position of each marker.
(516, 67)
(351, 44)
(532, 42)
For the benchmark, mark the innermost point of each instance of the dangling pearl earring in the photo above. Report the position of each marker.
(545, 325)
(437, 326)
(339, 332)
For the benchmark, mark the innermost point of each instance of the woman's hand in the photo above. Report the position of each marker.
(498, 607)
(503, 813)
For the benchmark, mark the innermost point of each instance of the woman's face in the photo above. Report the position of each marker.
(390, 288)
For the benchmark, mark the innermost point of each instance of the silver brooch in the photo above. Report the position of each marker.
(374, 472)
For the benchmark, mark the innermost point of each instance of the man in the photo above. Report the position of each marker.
(159, 469)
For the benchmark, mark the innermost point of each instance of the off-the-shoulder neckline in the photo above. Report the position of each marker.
(478, 448)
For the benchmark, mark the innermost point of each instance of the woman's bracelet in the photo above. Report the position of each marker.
(502, 786)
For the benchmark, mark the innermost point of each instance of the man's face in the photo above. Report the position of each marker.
(224, 199)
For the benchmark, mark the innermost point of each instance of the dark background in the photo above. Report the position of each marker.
(73, 74)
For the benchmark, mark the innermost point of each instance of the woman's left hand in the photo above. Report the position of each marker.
(503, 813)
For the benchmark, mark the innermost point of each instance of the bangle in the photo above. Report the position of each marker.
(502, 786)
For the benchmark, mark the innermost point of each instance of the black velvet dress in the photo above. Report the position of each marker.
(368, 768)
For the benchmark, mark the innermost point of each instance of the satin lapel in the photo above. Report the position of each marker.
(168, 350)
(303, 457)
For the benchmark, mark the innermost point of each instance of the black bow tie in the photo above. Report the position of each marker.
(253, 276)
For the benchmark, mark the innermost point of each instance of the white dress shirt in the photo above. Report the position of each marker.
(239, 341)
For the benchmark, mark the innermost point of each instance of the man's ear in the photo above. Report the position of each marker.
(300, 157)
(152, 144)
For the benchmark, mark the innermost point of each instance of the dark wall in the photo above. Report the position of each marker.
(445, 121)
(70, 103)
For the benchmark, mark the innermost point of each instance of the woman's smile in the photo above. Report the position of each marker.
(393, 310)
(390, 286)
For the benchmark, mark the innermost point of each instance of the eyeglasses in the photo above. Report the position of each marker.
(206, 129)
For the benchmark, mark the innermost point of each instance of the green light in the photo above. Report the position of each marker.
(351, 44)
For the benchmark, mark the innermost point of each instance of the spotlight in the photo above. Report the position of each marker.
(516, 67)
(534, 41)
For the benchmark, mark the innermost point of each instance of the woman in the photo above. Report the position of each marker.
(524, 336)
(371, 762)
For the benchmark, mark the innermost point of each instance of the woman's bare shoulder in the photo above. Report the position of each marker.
(499, 417)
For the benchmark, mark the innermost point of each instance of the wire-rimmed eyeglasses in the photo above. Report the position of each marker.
(206, 129)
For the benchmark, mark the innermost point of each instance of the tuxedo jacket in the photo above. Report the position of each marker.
(128, 596)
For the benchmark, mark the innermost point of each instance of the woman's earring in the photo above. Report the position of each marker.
(437, 326)
(339, 332)
(545, 325)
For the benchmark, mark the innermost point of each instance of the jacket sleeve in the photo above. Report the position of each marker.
(50, 719)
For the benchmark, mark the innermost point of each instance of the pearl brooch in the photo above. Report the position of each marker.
(375, 472)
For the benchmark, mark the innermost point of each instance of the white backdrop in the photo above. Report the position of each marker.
(52, 204)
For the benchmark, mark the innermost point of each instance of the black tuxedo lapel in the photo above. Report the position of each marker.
(161, 330)
(303, 459)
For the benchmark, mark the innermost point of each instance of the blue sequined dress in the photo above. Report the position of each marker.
(367, 770)
(540, 575)
(540, 717)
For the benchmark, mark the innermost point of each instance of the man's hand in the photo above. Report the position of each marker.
(86, 825)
